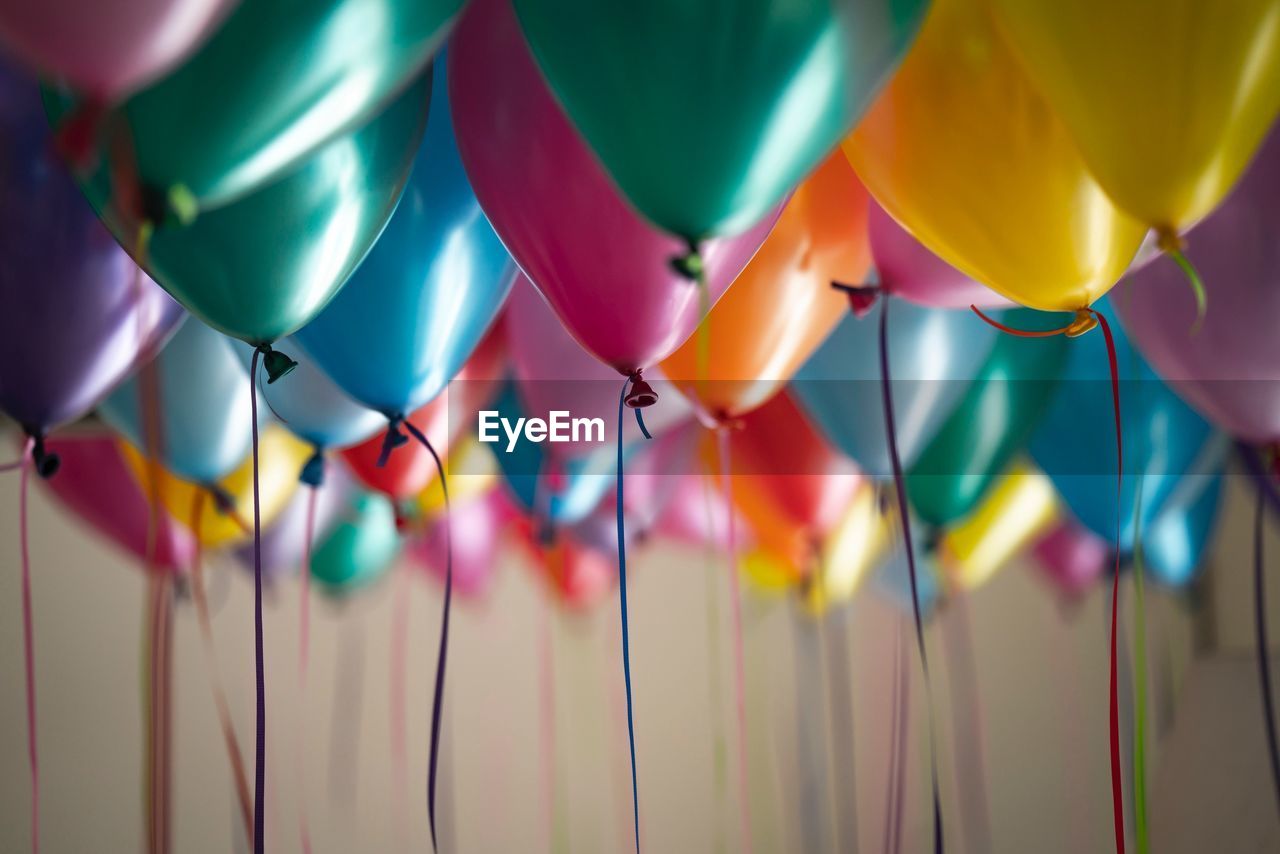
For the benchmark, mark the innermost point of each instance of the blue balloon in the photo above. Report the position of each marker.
(415, 309)
(204, 406)
(933, 355)
(1173, 547)
(1164, 439)
(311, 405)
(893, 577)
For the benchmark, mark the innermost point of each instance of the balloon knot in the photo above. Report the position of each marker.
(277, 364)
(641, 395)
(77, 135)
(1168, 240)
(1086, 320)
(222, 499)
(46, 462)
(862, 298)
(545, 533)
(392, 439)
(313, 470)
(690, 265)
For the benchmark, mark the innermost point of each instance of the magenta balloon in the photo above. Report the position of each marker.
(107, 48)
(1073, 557)
(95, 483)
(908, 270)
(553, 372)
(476, 527)
(602, 267)
(1230, 370)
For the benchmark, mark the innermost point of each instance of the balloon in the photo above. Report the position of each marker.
(1173, 548)
(906, 269)
(284, 541)
(722, 116)
(601, 267)
(933, 356)
(1228, 369)
(788, 483)
(1164, 439)
(697, 514)
(782, 305)
(1166, 105)
(203, 407)
(96, 484)
(312, 406)
(553, 373)
(107, 49)
(430, 288)
(275, 83)
(1073, 557)
(577, 575)
(472, 472)
(892, 579)
(262, 267)
(281, 458)
(1021, 507)
(991, 424)
(361, 547)
(476, 527)
(849, 554)
(962, 150)
(76, 315)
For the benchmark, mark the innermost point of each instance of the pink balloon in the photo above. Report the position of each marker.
(1073, 557)
(553, 373)
(908, 270)
(603, 269)
(95, 482)
(1230, 370)
(106, 48)
(476, 527)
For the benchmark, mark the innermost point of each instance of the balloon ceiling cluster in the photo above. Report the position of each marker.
(284, 243)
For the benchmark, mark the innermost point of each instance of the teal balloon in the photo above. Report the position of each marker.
(1173, 548)
(204, 407)
(260, 268)
(278, 79)
(1165, 440)
(361, 547)
(708, 113)
(934, 355)
(411, 316)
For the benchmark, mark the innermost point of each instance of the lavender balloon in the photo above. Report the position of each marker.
(1230, 369)
(76, 316)
(284, 542)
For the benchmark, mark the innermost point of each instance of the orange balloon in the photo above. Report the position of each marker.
(782, 306)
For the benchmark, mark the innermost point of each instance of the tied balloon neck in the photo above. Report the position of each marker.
(640, 395)
(545, 533)
(862, 298)
(392, 439)
(690, 265)
(45, 461)
(275, 363)
(312, 473)
(222, 500)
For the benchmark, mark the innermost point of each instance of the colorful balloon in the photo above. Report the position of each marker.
(275, 83)
(360, 548)
(262, 267)
(963, 150)
(577, 575)
(426, 294)
(284, 541)
(782, 305)
(203, 409)
(601, 267)
(933, 356)
(1229, 369)
(1173, 548)
(850, 553)
(1167, 105)
(97, 485)
(1073, 557)
(721, 117)
(476, 527)
(76, 315)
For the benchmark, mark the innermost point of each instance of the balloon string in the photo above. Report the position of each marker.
(260, 765)
(904, 513)
(1141, 835)
(739, 675)
(304, 655)
(713, 682)
(626, 634)
(28, 643)
(971, 745)
(159, 639)
(1172, 246)
(1264, 649)
(437, 702)
(1020, 333)
(229, 737)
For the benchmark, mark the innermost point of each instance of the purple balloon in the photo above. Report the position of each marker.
(76, 315)
(1230, 370)
(284, 542)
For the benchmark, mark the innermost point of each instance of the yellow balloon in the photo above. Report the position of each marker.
(1021, 508)
(849, 553)
(767, 572)
(1166, 101)
(965, 153)
(472, 472)
(281, 458)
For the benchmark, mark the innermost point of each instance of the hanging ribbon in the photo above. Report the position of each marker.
(901, 488)
(260, 761)
(718, 753)
(1264, 648)
(304, 652)
(28, 642)
(626, 633)
(967, 711)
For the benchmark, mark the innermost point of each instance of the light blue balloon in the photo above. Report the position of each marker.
(933, 356)
(410, 316)
(1173, 548)
(204, 402)
(893, 577)
(1075, 445)
(311, 405)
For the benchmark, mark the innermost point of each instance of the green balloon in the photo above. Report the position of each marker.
(992, 423)
(263, 266)
(708, 113)
(276, 81)
(360, 548)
